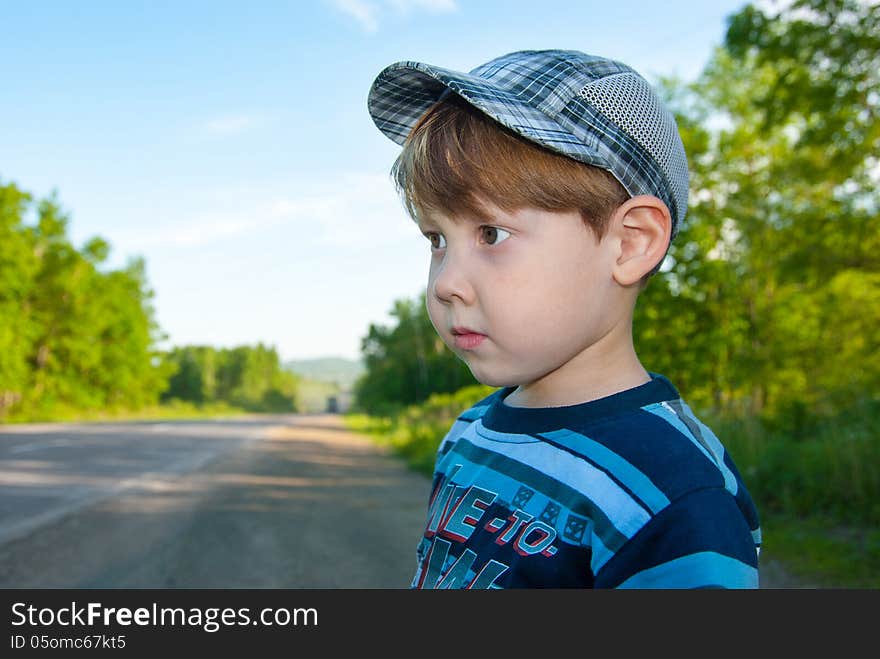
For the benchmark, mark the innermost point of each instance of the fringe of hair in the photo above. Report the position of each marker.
(456, 158)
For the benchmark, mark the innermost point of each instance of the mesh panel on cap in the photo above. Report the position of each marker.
(628, 100)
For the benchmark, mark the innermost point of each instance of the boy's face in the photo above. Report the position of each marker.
(534, 282)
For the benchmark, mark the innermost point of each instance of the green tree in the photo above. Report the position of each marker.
(18, 267)
(250, 377)
(195, 370)
(407, 363)
(771, 302)
(72, 336)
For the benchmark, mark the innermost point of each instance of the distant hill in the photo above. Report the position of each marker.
(323, 379)
(342, 371)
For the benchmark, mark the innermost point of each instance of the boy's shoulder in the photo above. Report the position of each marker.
(664, 442)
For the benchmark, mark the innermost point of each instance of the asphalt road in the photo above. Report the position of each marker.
(293, 501)
(290, 501)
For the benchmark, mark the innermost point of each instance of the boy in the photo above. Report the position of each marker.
(550, 184)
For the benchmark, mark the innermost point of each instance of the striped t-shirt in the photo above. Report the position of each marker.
(627, 491)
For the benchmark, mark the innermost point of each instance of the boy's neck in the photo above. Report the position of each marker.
(605, 368)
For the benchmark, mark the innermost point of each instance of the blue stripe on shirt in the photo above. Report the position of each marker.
(630, 477)
(706, 569)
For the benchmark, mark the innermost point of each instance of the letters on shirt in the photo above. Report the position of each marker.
(455, 513)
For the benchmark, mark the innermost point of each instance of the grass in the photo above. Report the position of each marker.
(385, 432)
(816, 483)
(172, 410)
(819, 550)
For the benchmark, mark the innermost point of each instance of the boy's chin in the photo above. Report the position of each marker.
(491, 379)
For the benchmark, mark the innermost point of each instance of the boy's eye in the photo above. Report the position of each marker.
(492, 235)
(435, 239)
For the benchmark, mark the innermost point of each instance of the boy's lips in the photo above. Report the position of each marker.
(466, 338)
(468, 341)
(465, 330)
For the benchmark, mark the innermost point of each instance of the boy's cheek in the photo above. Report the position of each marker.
(435, 315)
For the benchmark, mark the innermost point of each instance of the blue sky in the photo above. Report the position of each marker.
(229, 144)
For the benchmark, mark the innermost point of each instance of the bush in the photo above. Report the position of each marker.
(415, 432)
(831, 466)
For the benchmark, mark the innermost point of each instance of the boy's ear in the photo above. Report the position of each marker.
(641, 227)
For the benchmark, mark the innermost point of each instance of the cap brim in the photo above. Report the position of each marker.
(403, 91)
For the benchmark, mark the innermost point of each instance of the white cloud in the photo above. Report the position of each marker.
(363, 12)
(806, 14)
(355, 209)
(367, 12)
(433, 6)
(195, 231)
(363, 210)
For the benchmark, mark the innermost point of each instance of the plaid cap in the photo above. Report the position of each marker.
(595, 110)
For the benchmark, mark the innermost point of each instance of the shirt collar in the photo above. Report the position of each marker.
(504, 418)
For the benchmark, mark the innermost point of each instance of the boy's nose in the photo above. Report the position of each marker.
(452, 280)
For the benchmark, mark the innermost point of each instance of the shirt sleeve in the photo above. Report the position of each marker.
(701, 540)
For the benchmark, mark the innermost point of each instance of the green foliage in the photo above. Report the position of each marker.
(249, 378)
(407, 363)
(71, 335)
(820, 59)
(828, 467)
(773, 298)
(415, 431)
(823, 552)
(170, 409)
